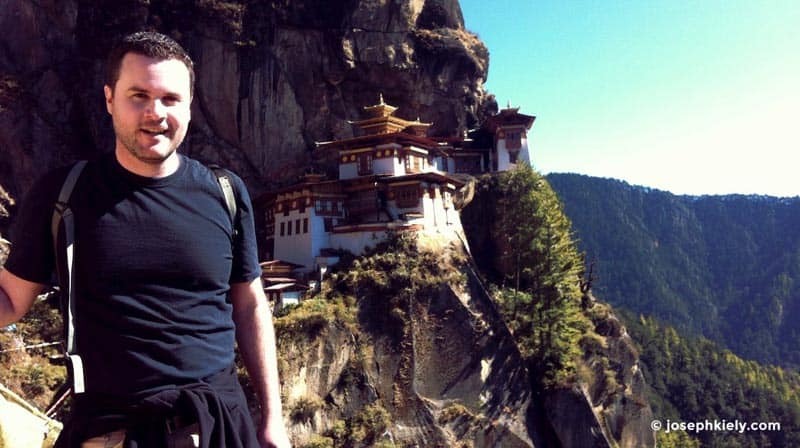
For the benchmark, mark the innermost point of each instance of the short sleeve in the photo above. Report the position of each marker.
(31, 256)
(245, 247)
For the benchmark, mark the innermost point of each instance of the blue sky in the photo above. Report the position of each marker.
(693, 97)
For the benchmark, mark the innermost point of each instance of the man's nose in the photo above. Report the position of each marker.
(156, 109)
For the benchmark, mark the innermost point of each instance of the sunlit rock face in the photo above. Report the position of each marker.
(273, 78)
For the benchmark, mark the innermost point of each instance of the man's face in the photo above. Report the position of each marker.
(150, 108)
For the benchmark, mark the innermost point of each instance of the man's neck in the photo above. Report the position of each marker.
(144, 169)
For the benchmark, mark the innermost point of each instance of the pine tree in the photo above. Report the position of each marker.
(542, 268)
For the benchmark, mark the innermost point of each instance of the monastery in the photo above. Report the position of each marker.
(392, 177)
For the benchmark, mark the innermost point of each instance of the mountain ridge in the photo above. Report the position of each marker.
(724, 267)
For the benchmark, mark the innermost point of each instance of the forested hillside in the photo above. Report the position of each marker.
(725, 267)
(694, 380)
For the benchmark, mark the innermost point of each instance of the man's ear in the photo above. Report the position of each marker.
(109, 94)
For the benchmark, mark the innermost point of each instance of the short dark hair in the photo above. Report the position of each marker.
(150, 44)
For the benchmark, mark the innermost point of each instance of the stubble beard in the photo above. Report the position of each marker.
(135, 149)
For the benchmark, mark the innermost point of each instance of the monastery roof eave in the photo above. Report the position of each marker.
(303, 185)
(430, 175)
(374, 140)
(508, 117)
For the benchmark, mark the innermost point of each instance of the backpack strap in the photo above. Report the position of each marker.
(225, 184)
(62, 216)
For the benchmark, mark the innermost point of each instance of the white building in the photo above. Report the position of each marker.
(392, 178)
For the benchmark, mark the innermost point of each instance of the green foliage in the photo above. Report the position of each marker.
(364, 429)
(455, 411)
(725, 267)
(675, 439)
(370, 424)
(695, 380)
(29, 372)
(303, 409)
(389, 279)
(540, 267)
(313, 315)
(317, 441)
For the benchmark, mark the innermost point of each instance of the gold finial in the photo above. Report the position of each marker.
(381, 97)
(508, 104)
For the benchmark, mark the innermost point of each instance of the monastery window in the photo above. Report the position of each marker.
(364, 164)
(289, 230)
(470, 164)
(297, 226)
(407, 196)
(414, 163)
(327, 207)
(513, 140)
(512, 156)
(328, 222)
(305, 225)
(282, 228)
(362, 202)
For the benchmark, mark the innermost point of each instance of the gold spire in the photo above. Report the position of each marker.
(418, 127)
(381, 109)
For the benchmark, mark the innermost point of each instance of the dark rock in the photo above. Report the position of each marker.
(272, 77)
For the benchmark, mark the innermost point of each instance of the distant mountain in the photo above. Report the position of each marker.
(725, 267)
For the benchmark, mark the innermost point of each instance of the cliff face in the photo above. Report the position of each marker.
(446, 372)
(610, 399)
(440, 368)
(272, 77)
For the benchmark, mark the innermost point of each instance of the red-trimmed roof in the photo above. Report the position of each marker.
(508, 117)
(375, 140)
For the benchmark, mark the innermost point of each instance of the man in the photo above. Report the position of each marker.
(161, 274)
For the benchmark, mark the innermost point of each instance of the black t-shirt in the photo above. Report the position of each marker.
(154, 260)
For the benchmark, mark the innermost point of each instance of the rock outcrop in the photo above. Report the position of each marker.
(273, 78)
(450, 375)
(608, 406)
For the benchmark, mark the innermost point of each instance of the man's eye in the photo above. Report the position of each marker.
(139, 96)
(171, 100)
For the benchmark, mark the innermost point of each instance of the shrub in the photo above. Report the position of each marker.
(304, 408)
(454, 412)
(319, 442)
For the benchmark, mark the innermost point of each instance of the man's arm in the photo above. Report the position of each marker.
(256, 337)
(16, 297)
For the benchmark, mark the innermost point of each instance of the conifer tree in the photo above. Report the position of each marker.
(542, 267)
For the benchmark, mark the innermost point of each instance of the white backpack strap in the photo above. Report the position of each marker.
(62, 215)
(225, 184)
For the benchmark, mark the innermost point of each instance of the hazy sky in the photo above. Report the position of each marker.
(693, 97)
